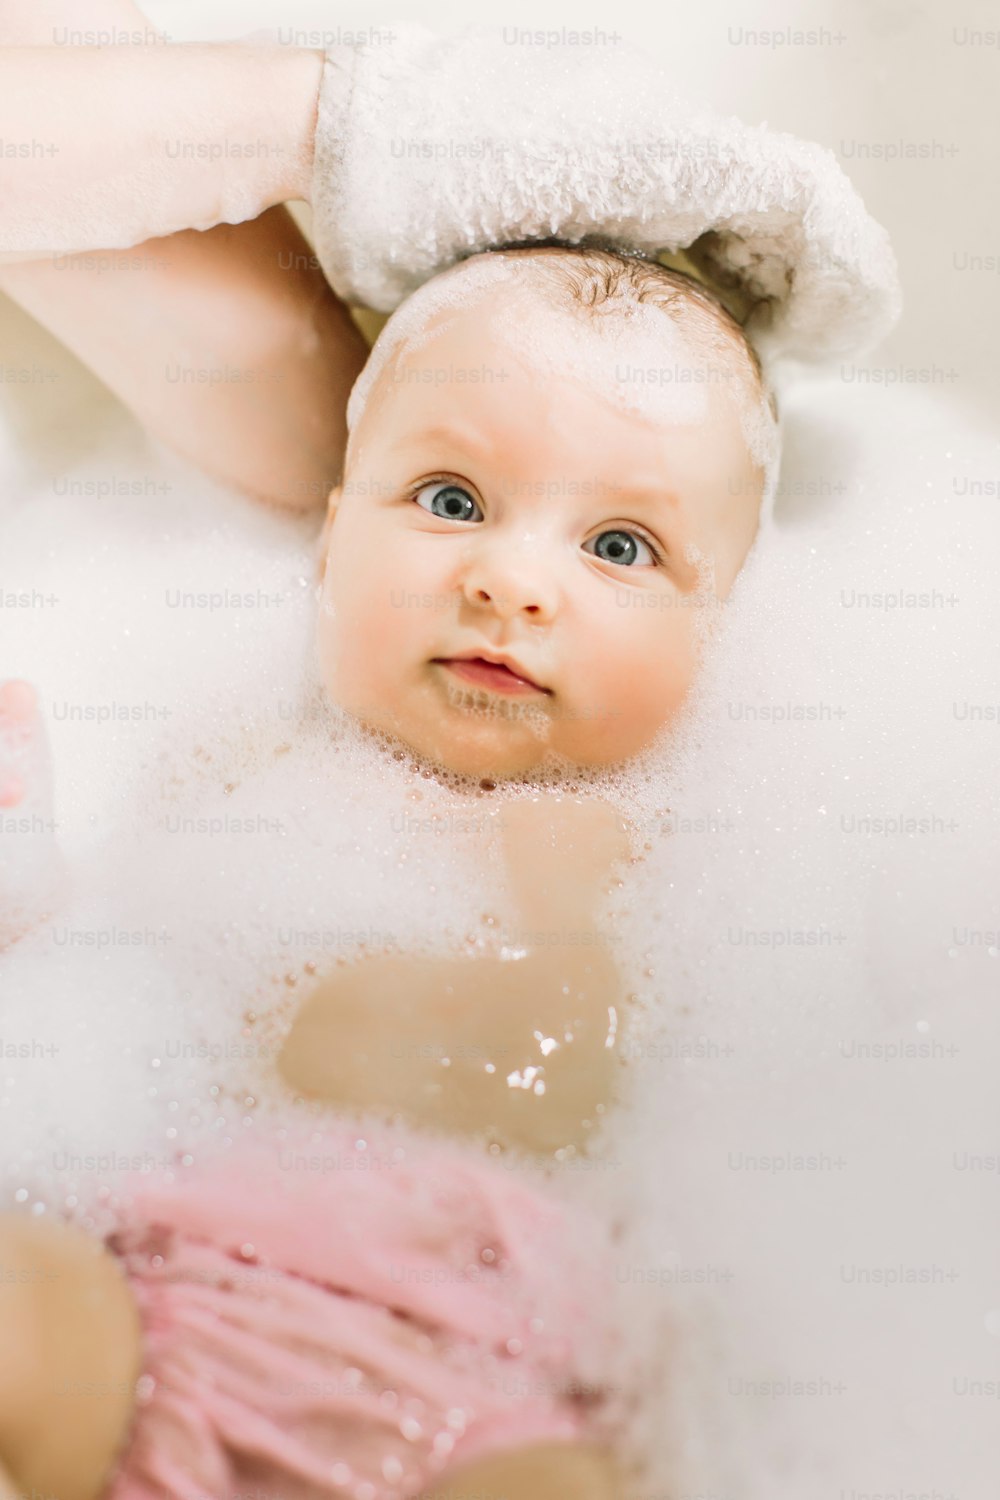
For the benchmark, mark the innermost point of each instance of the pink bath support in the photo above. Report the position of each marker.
(351, 1319)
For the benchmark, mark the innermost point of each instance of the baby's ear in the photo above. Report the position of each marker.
(323, 541)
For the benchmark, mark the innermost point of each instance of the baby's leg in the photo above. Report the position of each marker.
(555, 1471)
(69, 1359)
(228, 344)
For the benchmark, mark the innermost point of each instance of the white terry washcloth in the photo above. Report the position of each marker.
(430, 148)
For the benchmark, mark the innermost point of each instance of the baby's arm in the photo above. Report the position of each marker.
(69, 1359)
(230, 347)
(227, 342)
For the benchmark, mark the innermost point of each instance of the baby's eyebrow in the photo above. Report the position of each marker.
(648, 493)
(451, 435)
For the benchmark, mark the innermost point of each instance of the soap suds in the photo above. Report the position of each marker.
(631, 353)
(808, 941)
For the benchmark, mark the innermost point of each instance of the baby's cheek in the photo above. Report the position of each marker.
(657, 664)
(342, 633)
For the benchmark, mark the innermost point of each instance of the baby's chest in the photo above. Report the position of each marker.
(519, 1050)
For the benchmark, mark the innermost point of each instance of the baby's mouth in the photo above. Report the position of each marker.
(488, 674)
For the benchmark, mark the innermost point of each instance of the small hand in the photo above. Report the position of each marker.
(18, 725)
(30, 863)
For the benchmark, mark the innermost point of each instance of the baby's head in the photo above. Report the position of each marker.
(558, 458)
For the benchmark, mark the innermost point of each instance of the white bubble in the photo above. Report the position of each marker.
(768, 934)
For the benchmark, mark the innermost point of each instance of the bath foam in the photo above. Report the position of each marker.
(479, 704)
(816, 1025)
(604, 348)
(252, 833)
(409, 325)
(632, 354)
(763, 1149)
(635, 356)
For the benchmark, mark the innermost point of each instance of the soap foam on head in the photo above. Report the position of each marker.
(632, 353)
(813, 946)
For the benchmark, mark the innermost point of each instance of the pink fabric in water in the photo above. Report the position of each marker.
(350, 1318)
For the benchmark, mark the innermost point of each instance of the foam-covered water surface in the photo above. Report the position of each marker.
(815, 1070)
(810, 936)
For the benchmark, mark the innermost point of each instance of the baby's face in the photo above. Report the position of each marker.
(494, 508)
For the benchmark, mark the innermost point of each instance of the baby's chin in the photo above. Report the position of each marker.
(490, 747)
(466, 731)
(494, 751)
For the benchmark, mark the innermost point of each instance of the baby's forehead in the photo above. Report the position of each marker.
(502, 297)
(630, 352)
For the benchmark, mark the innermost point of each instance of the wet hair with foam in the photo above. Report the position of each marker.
(646, 314)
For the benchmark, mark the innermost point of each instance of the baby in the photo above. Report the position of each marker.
(521, 579)
(556, 465)
(591, 483)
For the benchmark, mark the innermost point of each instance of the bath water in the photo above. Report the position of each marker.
(808, 934)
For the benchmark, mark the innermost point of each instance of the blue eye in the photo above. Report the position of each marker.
(452, 502)
(452, 499)
(621, 547)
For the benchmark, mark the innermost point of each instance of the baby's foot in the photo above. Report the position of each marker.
(30, 864)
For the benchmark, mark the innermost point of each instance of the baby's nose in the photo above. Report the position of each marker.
(512, 578)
